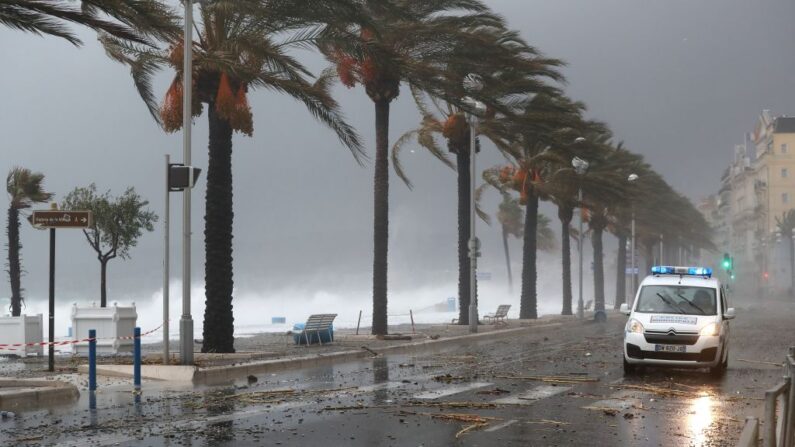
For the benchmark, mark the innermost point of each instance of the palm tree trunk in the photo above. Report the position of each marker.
(507, 258)
(218, 318)
(381, 218)
(103, 285)
(598, 270)
(464, 197)
(621, 271)
(14, 268)
(565, 215)
(528, 306)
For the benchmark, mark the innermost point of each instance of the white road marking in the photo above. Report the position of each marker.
(501, 426)
(537, 393)
(451, 390)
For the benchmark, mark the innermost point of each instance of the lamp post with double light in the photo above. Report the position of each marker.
(632, 179)
(580, 167)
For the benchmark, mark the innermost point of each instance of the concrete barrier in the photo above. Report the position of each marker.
(18, 394)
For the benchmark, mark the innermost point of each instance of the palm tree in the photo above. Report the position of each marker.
(505, 94)
(24, 188)
(243, 45)
(404, 42)
(510, 218)
(509, 215)
(137, 20)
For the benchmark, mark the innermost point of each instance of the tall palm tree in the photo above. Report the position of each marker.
(243, 45)
(24, 189)
(407, 42)
(505, 94)
(135, 20)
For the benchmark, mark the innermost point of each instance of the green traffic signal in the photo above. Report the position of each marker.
(727, 262)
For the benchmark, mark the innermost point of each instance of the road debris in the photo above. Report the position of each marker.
(375, 354)
(495, 391)
(448, 378)
(417, 403)
(548, 421)
(552, 379)
(760, 362)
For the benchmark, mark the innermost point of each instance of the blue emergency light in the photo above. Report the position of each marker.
(690, 271)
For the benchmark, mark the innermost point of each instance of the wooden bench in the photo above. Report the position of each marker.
(316, 324)
(499, 316)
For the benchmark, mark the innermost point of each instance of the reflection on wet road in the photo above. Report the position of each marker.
(532, 391)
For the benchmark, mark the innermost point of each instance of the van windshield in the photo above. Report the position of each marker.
(674, 299)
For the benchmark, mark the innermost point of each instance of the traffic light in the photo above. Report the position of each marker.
(727, 262)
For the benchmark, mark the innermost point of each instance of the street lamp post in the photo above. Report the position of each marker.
(186, 321)
(473, 84)
(580, 167)
(632, 179)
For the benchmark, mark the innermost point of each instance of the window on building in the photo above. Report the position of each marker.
(784, 198)
(784, 172)
(783, 148)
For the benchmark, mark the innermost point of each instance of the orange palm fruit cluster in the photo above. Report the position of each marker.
(171, 110)
(233, 106)
(369, 70)
(345, 70)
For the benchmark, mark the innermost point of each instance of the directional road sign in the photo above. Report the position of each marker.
(61, 219)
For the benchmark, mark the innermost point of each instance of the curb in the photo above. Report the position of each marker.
(35, 393)
(219, 374)
(174, 373)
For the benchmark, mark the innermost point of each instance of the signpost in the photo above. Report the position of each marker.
(53, 219)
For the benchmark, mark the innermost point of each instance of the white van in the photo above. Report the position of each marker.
(680, 318)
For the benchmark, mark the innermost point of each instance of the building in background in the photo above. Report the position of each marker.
(757, 187)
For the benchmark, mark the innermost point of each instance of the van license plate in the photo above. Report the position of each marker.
(669, 348)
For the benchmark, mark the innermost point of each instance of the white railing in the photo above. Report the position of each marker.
(779, 421)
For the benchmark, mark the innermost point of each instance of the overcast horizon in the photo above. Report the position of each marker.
(678, 81)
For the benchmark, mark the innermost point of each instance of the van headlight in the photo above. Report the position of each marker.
(710, 329)
(634, 325)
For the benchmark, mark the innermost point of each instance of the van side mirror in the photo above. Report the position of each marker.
(729, 314)
(625, 309)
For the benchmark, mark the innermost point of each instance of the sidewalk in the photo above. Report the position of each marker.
(272, 352)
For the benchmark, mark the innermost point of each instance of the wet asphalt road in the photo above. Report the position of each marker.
(427, 399)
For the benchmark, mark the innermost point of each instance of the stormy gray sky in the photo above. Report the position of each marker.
(678, 80)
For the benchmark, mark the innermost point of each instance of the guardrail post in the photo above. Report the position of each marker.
(789, 428)
(784, 412)
(750, 435)
(92, 360)
(137, 358)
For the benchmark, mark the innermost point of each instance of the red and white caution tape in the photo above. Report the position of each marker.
(13, 346)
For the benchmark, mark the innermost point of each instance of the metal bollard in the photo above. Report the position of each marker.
(92, 360)
(137, 358)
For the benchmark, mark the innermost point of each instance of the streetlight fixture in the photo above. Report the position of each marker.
(632, 179)
(473, 84)
(580, 167)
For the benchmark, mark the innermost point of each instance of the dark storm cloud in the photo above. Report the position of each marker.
(678, 81)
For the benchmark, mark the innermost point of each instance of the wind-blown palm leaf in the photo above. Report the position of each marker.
(134, 20)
